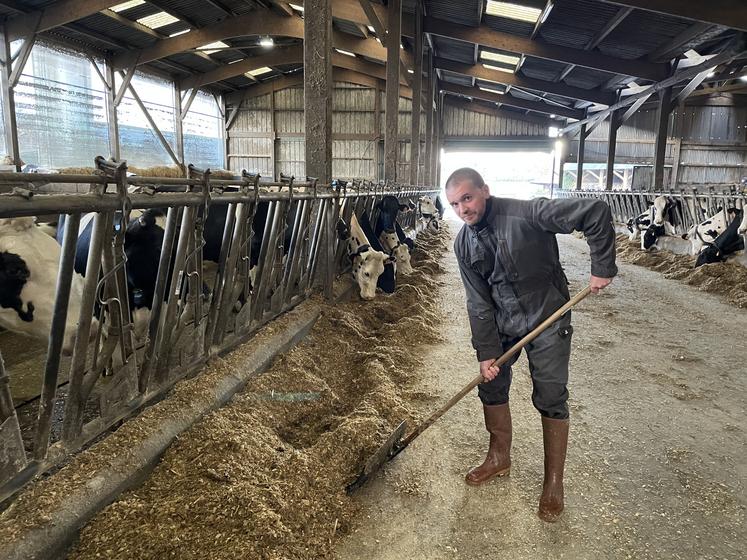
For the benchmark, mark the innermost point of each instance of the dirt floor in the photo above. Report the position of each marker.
(656, 462)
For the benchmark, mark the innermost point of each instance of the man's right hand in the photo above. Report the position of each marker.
(489, 371)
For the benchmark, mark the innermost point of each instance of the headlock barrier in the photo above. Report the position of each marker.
(276, 245)
(697, 204)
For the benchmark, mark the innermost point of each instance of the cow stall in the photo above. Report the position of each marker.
(235, 253)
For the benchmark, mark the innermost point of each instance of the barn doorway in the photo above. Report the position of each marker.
(510, 174)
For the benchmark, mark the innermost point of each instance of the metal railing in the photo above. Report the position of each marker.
(113, 372)
(697, 203)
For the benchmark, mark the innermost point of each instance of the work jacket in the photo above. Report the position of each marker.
(511, 268)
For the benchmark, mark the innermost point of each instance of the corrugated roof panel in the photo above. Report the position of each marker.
(506, 25)
(586, 78)
(451, 49)
(99, 23)
(541, 69)
(193, 61)
(642, 33)
(456, 78)
(73, 39)
(198, 11)
(348, 27)
(464, 12)
(574, 23)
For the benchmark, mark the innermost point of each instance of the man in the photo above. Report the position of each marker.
(508, 259)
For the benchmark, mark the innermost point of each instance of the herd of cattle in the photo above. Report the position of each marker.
(713, 240)
(30, 259)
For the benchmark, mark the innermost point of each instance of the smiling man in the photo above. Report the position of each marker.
(509, 262)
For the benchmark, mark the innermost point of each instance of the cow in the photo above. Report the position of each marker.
(707, 231)
(727, 243)
(368, 264)
(428, 214)
(390, 234)
(639, 225)
(666, 215)
(29, 264)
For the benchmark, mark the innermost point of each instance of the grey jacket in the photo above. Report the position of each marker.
(510, 264)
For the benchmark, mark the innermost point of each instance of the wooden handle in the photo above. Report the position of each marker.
(497, 362)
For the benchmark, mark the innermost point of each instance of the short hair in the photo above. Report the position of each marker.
(465, 174)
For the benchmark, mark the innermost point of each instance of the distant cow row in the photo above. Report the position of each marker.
(712, 240)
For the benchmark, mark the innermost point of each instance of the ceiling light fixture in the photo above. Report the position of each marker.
(346, 53)
(266, 42)
(258, 72)
(126, 5)
(499, 68)
(215, 46)
(182, 32)
(492, 90)
(498, 57)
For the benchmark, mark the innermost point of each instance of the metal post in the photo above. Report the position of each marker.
(436, 171)
(9, 104)
(580, 157)
(391, 139)
(179, 122)
(660, 151)
(112, 120)
(416, 88)
(317, 93)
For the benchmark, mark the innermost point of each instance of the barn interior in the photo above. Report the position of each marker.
(215, 394)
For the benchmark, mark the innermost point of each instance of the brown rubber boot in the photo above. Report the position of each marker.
(498, 461)
(555, 439)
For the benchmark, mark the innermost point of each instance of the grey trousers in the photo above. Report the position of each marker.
(548, 356)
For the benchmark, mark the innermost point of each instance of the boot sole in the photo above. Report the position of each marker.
(504, 472)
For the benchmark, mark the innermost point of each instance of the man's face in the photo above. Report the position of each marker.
(468, 201)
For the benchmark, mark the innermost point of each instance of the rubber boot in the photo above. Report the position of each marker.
(555, 439)
(498, 461)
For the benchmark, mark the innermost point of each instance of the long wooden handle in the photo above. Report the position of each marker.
(497, 362)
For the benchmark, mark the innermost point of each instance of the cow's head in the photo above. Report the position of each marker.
(427, 206)
(708, 255)
(143, 243)
(29, 263)
(368, 265)
(397, 249)
(652, 235)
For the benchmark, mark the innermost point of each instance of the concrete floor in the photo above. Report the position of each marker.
(656, 463)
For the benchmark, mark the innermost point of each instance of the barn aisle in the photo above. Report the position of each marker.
(656, 460)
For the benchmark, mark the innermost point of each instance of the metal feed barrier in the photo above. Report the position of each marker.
(113, 372)
(698, 203)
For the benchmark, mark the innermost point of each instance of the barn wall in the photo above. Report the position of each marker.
(268, 134)
(711, 141)
(460, 122)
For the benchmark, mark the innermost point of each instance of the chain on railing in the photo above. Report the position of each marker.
(267, 245)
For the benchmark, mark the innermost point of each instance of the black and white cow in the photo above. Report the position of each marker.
(727, 243)
(368, 263)
(666, 212)
(29, 263)
(708, 230)
(428, 214)
(392, 236)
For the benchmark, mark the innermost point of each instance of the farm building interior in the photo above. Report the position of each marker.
(238, 310)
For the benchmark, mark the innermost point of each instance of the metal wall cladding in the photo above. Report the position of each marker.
(289, 121)
(354, 159)
(725, 124)
(291, 157)
(461, 122)
(289, 98)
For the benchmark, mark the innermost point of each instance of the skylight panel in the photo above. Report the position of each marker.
(215, 46)
(161, 19)
(512, 11)
(258, 72)
(126, 5)
(498, 57)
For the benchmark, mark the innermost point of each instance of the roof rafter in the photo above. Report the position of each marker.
(511, 101)
(486, 36)
(479, 71)
(730, 13)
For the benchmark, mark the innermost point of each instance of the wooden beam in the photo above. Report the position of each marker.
(483, 35)
(391, 133)
(611, 149)
(580, 157)
(512, 101)
(416, 90)
(317, 91)
(55, 15)
(660, 149)
(729, 13)
(479, 71)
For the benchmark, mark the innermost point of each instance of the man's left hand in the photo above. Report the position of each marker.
(597, 284)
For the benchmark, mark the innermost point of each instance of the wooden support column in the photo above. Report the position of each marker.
(436, 170)
(317, 90)
(580, 157)
(675, 176)
(391, 130)
(660, 150)
(611, 148)
(9, 105)
(179, 123)
(416, 90)
(429, 84)
(377, 135)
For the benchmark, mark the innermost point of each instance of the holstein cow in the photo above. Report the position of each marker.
(368, 263)
(29, 262)
(707, 231)
(428, 214)
(727, 243)
(390, 234)
(667, 211)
